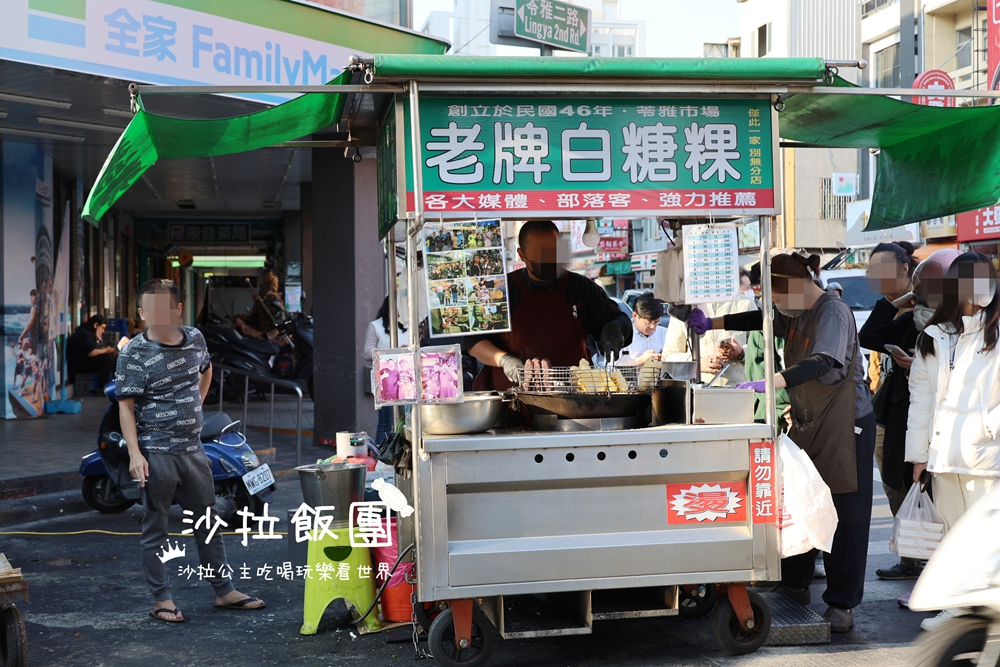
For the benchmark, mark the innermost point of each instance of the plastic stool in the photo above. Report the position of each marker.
(320, 592)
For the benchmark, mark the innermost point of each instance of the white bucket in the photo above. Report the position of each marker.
(351, 444)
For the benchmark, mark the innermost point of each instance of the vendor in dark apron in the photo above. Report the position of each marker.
(832, 421)
(552, 313)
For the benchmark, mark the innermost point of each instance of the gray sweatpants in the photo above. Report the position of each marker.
(188, 478)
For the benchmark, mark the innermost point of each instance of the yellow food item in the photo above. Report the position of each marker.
(584, 363)
(649, 374)
(621, 384)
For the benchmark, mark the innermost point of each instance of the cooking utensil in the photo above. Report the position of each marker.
(585, 406)
(477, 413)
(719, 374)
(721, 405)
(681, 370)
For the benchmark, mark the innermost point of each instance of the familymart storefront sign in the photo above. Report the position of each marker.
(538, 157)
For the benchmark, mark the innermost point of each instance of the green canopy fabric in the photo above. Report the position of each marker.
(933, 162)
(479, 67)
(149, 138)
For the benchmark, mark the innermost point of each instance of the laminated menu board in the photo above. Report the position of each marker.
(711, 263)
(394, 380)
(466, 278)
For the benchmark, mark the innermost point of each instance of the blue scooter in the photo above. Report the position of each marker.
(241, 480)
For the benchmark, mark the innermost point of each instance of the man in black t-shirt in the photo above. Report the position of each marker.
(552, 313)
(87, 353)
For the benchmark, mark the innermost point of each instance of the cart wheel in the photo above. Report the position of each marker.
(425, 612)
(441, 641)
(696, 601)
(13, 638)
(731, 636)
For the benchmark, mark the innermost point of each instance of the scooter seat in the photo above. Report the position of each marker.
(264, 347)
(213, 424)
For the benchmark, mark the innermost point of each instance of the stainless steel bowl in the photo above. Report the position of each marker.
(479, 412)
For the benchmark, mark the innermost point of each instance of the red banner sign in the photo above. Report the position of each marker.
(615, 245)
(763, 483)
(981, 225)
(935, 79)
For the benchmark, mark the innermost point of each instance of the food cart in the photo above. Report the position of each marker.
(589, 513)
(542, 531)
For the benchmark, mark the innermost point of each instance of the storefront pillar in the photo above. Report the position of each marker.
(348, 288)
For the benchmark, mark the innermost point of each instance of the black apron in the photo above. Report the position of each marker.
(822, 414)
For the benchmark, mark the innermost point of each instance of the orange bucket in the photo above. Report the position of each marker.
(396, 605)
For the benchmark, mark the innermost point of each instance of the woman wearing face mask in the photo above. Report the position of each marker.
(954, 420)
(832, 421)
(891, 323)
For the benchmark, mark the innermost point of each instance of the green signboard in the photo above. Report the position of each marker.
(566, 158)
(385, 153)
(554, 23)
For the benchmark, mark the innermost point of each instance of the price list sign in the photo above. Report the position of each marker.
(711, 270)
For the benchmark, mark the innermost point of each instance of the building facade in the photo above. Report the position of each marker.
(813, 218)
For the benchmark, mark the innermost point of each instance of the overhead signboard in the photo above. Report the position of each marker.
(556, 24)
(978, 226)
(590, 158)
(934, 79)
(163, 43)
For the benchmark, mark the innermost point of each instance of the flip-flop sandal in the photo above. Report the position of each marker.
(242, 605)
(158, 615)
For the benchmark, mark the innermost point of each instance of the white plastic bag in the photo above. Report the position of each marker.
(918, 527)
(808, 518)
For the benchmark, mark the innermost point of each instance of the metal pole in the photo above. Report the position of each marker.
(246, 400)
(765, 298)
(413, 231)
(298, 431)
(270, 422)
(390, 267)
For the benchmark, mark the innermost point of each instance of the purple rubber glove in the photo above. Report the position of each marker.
(699, 322)
(757, 385)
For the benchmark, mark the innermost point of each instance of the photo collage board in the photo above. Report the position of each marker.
(466, 278)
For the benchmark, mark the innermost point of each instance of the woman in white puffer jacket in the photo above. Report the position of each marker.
(953, 430)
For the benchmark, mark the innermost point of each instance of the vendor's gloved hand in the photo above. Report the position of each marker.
(699, 321)
(758, 386)
(612, 341)
(510, 366)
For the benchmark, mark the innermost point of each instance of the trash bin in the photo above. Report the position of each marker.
(333, 484)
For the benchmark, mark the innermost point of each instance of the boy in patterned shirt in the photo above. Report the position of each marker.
(163, 376)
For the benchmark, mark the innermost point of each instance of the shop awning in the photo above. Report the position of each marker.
(149, 138)
(934, 161)
(620, 268)
(594, 270)
(485, 67)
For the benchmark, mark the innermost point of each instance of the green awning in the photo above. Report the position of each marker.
(149, 138)
(484, 67)
(620, 268)
(933, 162)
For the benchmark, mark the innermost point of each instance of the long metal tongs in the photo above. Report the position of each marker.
(719, 374)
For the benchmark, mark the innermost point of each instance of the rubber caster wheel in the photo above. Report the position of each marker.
(425, 612)
(441, 641)
(733, 638)
(696, 601)
(959, 642)
(13, 638)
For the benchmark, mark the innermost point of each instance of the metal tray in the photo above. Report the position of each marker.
(585, 406)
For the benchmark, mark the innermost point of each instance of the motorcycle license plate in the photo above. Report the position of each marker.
(258, 479)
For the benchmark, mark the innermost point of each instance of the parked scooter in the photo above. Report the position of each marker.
(964, 572)
(241, 480)
(289, 356)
